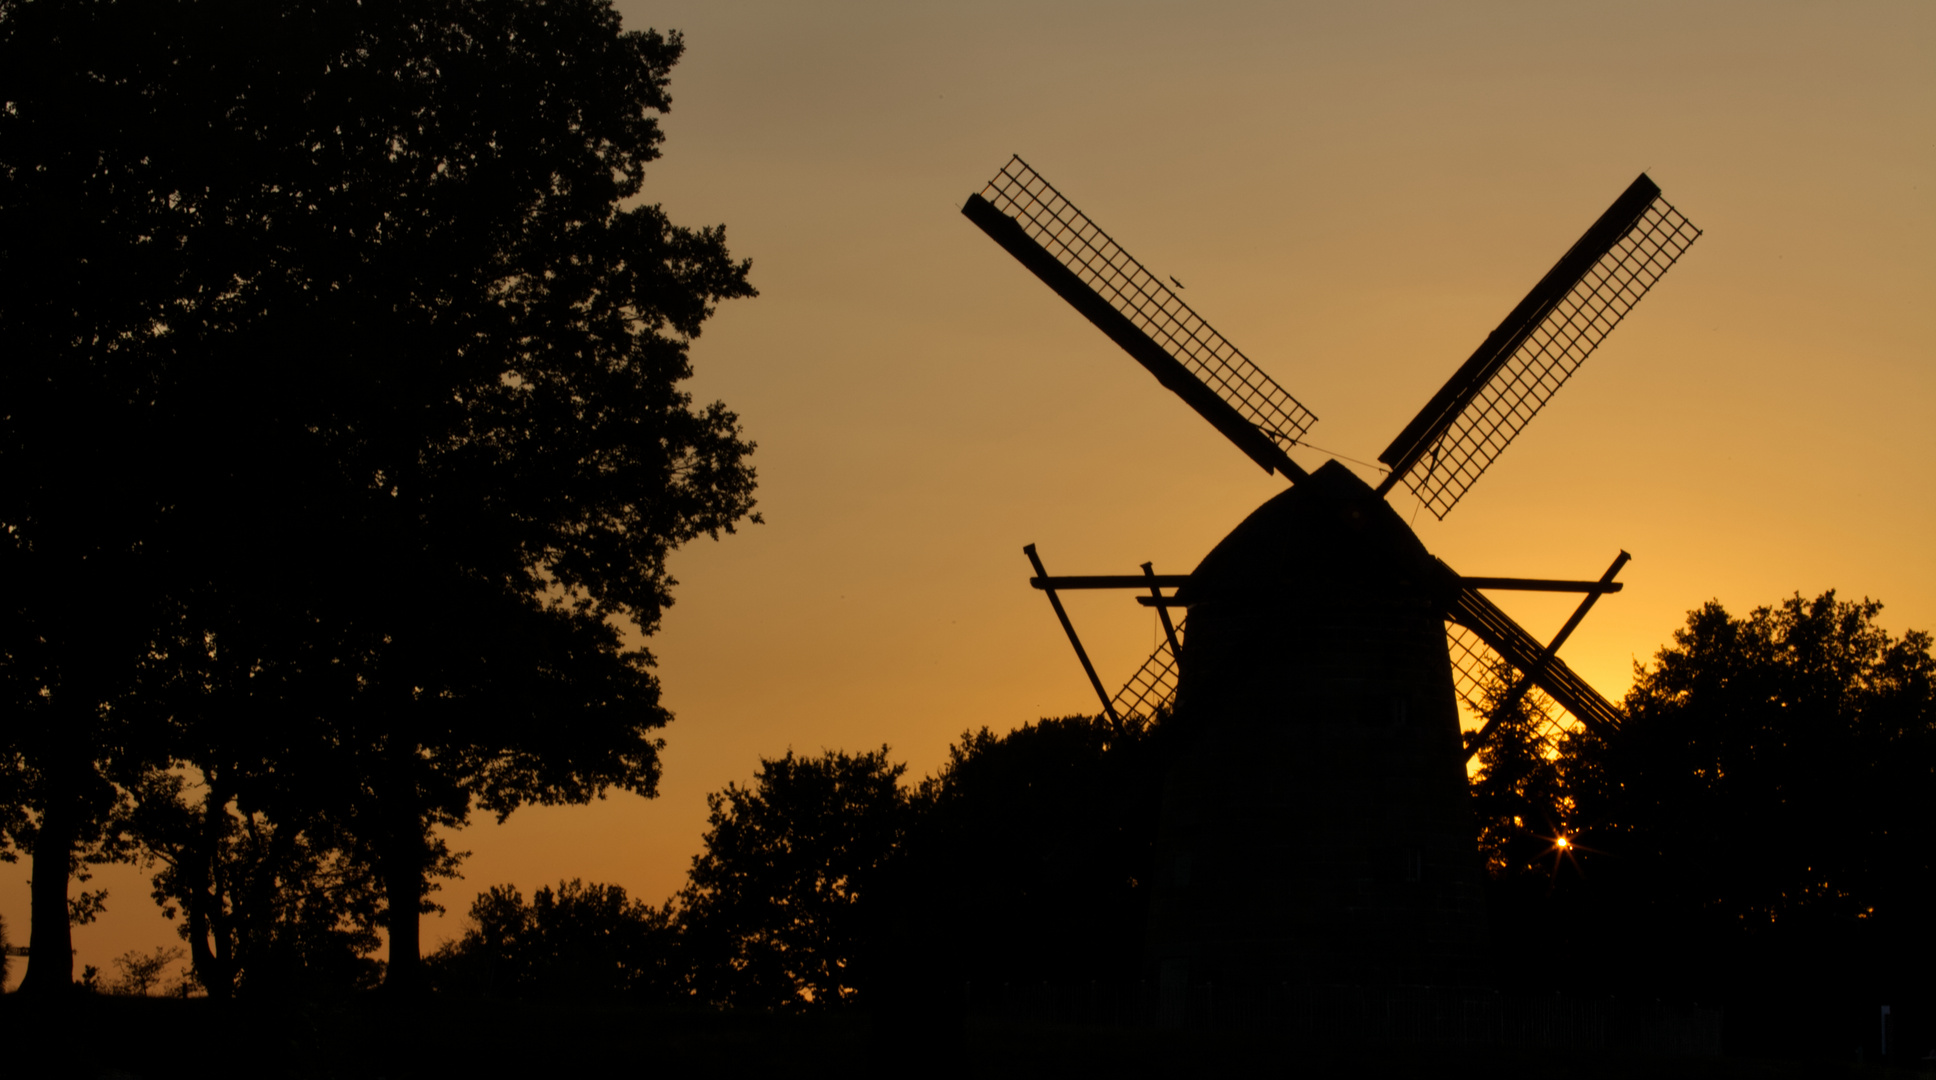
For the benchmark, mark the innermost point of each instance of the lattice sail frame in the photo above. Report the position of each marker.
(1152, 690)
(1549, 356)
(1473, 662)
(1126, 285)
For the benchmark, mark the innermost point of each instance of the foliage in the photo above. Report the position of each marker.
(142, 972)
(578, 941)
(1757, 832)
(1025, 857)
(1033, 856)
(776, 910)
(1774, 769)
(341, 350)
(270, 907)
(1519, 794)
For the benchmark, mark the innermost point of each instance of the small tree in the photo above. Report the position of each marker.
(266, 906)
(775, 914)
(142, 972)
(1519, 796)
(1032, 859)
(577, 941)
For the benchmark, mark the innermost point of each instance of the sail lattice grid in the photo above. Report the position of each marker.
(1475, 664)
(1549, 356)
(1080, 245)
(1152, 690)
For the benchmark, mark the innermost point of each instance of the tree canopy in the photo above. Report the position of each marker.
(576, 941)
(777, 907)
(1773, 779)
(341, 349)
(1757, 831)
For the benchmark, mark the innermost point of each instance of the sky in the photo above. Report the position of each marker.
(1354, 194)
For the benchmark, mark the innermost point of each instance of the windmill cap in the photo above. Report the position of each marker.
(1331, 526)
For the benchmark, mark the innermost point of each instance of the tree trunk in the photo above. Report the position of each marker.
(403, 857)
(50, 946)
(214, 966)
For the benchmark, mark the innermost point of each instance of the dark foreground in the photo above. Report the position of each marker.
(142, 1038)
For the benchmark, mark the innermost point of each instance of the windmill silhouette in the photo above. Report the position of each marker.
(1314, 826)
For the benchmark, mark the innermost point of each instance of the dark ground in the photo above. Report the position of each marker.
(129, 1038)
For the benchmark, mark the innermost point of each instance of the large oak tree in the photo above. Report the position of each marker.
(338, 344)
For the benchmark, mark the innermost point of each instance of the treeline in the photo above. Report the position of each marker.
(1757, 834)
(832, 881)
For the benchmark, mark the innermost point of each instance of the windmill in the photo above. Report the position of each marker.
(1314, 828)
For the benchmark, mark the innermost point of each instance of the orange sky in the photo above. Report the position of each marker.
(1354, 195)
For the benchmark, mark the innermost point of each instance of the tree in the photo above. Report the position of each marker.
(578, 941)
(776, 911)
(267, 906)
(1519, 796)
(141, 972)
(1768, 800)
(335, 335)
(1032, 860)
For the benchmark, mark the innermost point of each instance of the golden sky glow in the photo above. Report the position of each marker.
(1354, 194)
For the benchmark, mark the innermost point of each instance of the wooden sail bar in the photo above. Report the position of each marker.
(1177, 581)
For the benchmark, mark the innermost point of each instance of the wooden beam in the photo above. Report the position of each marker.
(1162, 601)
(1526, 584)
(1162, 605)
(1532, 673)
(1005, 231)
(1069, 628)
(1472, 376)
(1110, 581)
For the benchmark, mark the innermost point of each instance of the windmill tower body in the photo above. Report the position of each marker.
(1315, 825)
(1315, 828)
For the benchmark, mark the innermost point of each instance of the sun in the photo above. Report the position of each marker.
(1562, 849)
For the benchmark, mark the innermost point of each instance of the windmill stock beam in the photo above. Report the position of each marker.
(1520, 649)
(1157, 597)
(1464, 605)
(1521, 584)
(1177, 581)
(1161, 602)
(1174, 376)
(1472, 376)
(1110, 581)
(1069, 628)
(1528, 675)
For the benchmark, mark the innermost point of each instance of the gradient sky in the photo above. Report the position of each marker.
(1354, 194)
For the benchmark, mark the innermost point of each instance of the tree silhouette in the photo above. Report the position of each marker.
(1766, 806)
(1031, 861)
(335, 337)
(777, 909)
(141, 972)
(1519, 795)
(1779, 767)
(577, 941)
(267, 906)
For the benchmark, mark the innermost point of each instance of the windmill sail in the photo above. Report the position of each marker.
(1497, 630)
(1475, 667)
(1538, 347)
(1152, 690)
(1046, 233)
